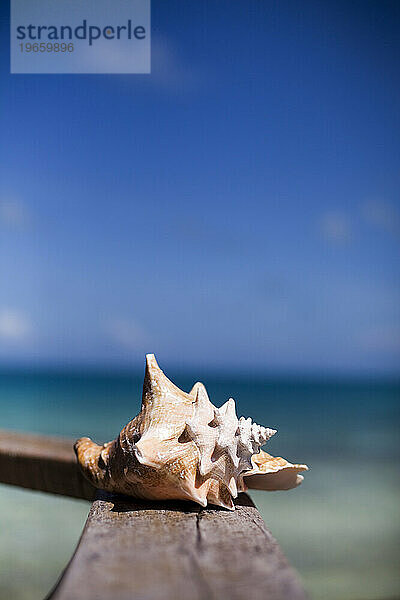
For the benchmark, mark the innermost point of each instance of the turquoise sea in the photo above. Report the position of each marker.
(340, 529)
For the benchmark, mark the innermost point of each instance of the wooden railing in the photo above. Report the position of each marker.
(134, 550)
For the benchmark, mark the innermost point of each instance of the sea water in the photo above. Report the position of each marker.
(340, 529)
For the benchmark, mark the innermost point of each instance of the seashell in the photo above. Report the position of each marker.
(181, 446)
(272, 473)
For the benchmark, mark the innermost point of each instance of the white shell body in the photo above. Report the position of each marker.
(181, 446)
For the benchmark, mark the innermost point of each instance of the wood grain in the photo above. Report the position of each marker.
(133, 550)
(42, 463)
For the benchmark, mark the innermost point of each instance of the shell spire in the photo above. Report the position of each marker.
(181, 446)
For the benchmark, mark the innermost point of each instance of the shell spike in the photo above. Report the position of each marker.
(203, 406)
(151, 361)
(153, 375)
(229, 408)
(199, 390)
(198, 430)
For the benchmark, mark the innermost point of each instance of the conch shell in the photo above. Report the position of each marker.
(180, 446)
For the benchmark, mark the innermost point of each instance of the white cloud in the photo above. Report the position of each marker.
(335, 227)
(127, 333)
(14, 325)
(169, 70)
(382, 216)
(107, 58)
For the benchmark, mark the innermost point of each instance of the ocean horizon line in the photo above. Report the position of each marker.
(135, 370)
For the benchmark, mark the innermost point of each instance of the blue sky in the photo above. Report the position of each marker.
(237, 208)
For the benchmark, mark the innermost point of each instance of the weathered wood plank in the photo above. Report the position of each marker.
(133, 550)
(42, 463)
